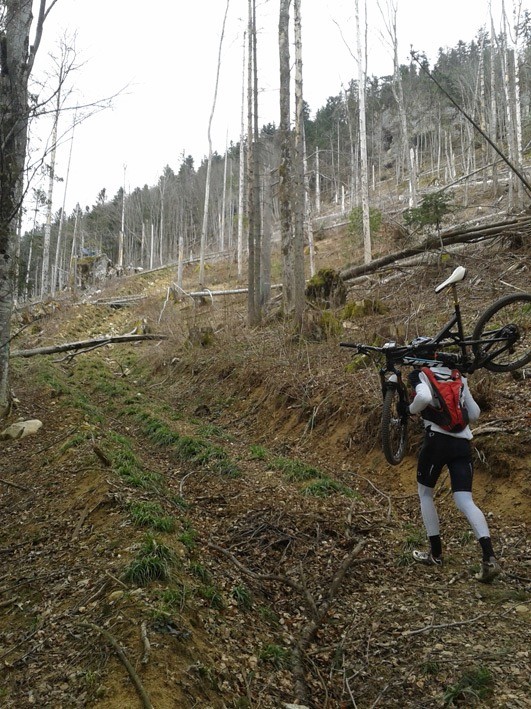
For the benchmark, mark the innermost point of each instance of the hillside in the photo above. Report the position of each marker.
(215, 509)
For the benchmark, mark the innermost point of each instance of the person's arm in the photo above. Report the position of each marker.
(471, 405)
(423, 396)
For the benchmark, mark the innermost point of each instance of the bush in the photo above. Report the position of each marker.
(355, 221)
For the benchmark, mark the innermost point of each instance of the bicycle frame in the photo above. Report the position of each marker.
(447, 337)
(483, 349)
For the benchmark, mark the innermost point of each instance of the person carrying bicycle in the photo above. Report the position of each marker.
(451, 448)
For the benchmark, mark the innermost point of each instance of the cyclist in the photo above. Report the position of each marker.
(441, 448)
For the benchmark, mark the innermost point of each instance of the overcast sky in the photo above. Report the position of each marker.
(162, 56)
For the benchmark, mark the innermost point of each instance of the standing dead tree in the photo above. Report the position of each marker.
(291, 248)
(17, 58)
(209, 162)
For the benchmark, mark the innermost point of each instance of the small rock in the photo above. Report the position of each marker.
(20, 429)
(115, 596)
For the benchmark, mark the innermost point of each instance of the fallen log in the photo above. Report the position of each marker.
(206, 293)
(86, 344)
(434, 242)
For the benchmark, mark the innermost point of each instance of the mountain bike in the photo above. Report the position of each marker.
(500, 342)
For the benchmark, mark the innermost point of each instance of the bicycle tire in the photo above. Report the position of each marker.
(394, 428)
(512, 311)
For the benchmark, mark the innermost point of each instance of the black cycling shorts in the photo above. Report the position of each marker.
(439, 450)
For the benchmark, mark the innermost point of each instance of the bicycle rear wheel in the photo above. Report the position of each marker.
(504, 331)
(394, 428)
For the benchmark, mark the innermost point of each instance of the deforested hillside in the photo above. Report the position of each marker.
(208, 520)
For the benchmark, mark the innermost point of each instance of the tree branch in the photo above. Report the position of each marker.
(146, 702)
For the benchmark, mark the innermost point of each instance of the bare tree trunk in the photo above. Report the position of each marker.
(265, 261)
(256, 184)
(405, 157)
(285, 168)
(298, 206)
(308, 212)
(508, 83)
(180, 258)
(317, 183)
(73, 255)
(241, 185)
(367, 250)
(17, 58)
(45, 278)
(209, 162)
(493, 128)
(250, 176)
(57, 280)
(224, 201)
(143, 245)
(515, 97)
(122, 228)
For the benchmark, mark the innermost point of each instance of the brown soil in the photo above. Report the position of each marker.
(259, 542)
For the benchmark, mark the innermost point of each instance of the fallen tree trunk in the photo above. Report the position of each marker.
(434, 242)
(85, 344)
(211, 293)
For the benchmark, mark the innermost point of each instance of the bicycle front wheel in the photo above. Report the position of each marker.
(394, 428)
(503, 334)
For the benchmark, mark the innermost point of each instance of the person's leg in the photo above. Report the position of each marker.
(461, 475)
(430, 519)
(428, 471)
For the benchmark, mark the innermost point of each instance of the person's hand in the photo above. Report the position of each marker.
(402, 408)
(414, 378)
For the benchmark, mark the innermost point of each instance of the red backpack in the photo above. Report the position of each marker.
(450, 412)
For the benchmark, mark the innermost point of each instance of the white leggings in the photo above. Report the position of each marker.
(463, 502)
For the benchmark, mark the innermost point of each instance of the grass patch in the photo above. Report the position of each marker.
(73, 442)
(258, 453)
(201, 572)
(210, 430)
(126, 464)
(201, 452)
(153, 562)
(243, 597)
(213, 596)
(275, 655)
(170, 601)
(268, 615)
(415, 538)
(431, 667)
(188, 537)
(151, 514)
(156, 430)
(475, 684)
(324, 487)
(295, 470)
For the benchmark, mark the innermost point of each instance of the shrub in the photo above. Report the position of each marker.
(355, 221)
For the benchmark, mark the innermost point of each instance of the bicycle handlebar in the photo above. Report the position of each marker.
(382, 350)
(401, 353)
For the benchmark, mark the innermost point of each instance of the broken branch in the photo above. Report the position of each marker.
(85, 344)
(146, 702)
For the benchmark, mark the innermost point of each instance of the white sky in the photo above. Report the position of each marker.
(165, 52)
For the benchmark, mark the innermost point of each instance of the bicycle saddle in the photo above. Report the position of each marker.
(458, 275)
